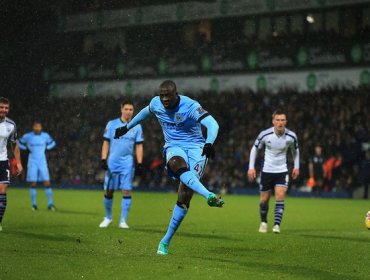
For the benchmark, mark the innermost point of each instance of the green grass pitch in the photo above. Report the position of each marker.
(320, 239)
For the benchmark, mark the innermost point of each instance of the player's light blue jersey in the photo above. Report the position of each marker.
(181, 125)
(37, 144)
(121, 150)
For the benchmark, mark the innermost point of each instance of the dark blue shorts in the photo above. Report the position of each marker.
(270, 180)
(4, 172)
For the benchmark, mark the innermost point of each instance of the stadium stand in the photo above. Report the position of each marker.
(337, 119)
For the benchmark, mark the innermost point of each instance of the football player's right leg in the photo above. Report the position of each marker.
(108, 203)
(33, 195)
(32, 178)
(264, 208)
(264, 205)
(109, 182)
(179, 212)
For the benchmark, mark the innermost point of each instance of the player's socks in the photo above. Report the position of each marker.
(179, 213)
(264, 209)
(3, 202)
(189, 179)
(279, 211)
(108, 202)
(125, 206)
(33, 192)
(49, 195)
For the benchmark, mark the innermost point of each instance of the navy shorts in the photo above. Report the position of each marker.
(4, 172)
(270, 180)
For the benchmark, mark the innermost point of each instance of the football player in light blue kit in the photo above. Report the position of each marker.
(37, 142)
(186, 151)
(118, 161)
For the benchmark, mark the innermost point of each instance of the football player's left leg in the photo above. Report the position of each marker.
(49, 195)
(33, 194)
(280, 192)
(125, 183)
(3, 202)
(44, 176)
(125, 208)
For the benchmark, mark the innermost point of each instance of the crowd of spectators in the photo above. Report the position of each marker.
(336, 119)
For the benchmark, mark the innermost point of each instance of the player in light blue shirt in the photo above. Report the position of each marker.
(118, 161)
(37, 143)
(186, 151)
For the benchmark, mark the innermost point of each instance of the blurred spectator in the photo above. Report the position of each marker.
(317, 170)
(332, 171)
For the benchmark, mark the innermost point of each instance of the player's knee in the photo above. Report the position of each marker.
(280, 194)
(176, 163)
(265, 197)
(126, 193)
(108, 194)
(185, 195)
(3, 189)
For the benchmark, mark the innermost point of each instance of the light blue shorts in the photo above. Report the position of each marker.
(121, 180)
(192, 156)
(37, 172)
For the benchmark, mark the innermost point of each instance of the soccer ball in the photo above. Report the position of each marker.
(367, 220)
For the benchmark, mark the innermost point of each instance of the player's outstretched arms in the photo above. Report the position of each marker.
(141, 116)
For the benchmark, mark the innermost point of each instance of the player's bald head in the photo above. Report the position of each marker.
(168, 85)
(168, 94)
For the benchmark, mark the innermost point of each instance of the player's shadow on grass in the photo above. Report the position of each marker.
(41, 236)
(189, 234)
(294, 271)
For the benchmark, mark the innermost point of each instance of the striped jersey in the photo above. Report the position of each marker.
(8, 132)
(275, 150)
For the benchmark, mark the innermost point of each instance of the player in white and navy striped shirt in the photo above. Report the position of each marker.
(275, 141)
(8, 133)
